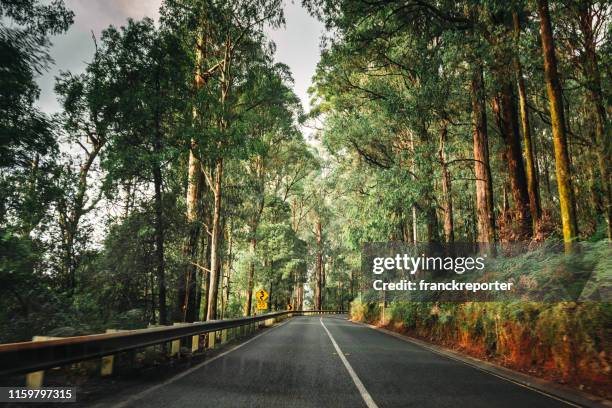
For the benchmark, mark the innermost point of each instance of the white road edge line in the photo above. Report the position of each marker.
(141, 394)
(367, 398)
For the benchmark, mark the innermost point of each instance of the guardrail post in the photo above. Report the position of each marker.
(35, 379)
(106, 366)
(212, 338)
(195, 343)
(175, 346)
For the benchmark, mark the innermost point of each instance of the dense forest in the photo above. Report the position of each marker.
(177, 179)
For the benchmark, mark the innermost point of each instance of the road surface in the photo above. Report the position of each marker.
(298, 364)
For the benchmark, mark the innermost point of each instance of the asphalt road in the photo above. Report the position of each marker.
(297, 364)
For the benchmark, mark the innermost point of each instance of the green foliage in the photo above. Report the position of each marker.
(26, 25)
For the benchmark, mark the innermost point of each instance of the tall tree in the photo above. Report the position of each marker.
(149, 93)
(557, 115)
(592, 17)
(530, 164)
(482, 168)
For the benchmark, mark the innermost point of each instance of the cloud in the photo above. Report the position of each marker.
(96, 15)
(72, 50)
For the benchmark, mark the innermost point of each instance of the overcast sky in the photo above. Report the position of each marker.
(297, 44)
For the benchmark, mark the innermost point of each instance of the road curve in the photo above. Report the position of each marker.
(298, 365)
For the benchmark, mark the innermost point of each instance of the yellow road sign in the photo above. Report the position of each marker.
(261, 295)
(289, 307)
(261, 305)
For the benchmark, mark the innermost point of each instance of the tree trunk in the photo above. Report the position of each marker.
(319, 266)
(482, 168)
(271, 293)
(598, 110)
(595, 197)
(251, 277)
(211, 314)
(186, 281)
(71, 214)
(449, 232)
(301, 297)
(201, 302)
(414, 210)
(530, 166)
(323, 280)
(201, 276)
(414, 224)
(190, 247)
(228, 272)
(432, 224)
(553, 87)
(341, 292)
(159, 240)
(506, 118)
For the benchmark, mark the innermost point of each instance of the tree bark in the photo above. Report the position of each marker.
(507, 121)
(323, 279)
(300, 302)
(533, 188)
(186, 281)
(200, 286)
(159, 235)
(449, 232)
(482, 168)
(251, 278)
(228, 272)
(319, 265)
(211, 313)
(432, 224)
(258, 167)
(595, 98)
(202, 301)
(414, 210)
(553, 87)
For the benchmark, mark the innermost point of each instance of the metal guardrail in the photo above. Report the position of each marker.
(26, 357)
